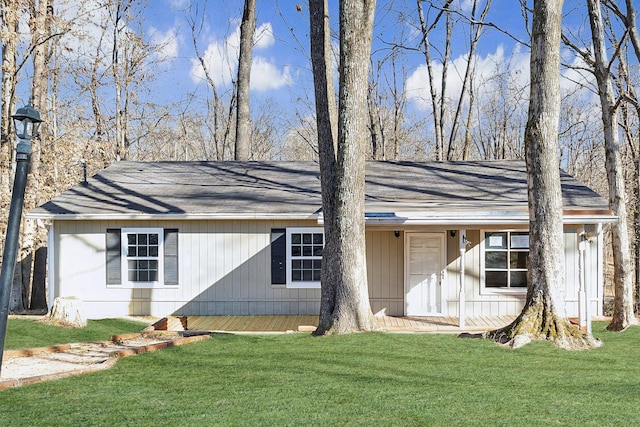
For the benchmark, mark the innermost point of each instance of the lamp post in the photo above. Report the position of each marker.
(27, 121)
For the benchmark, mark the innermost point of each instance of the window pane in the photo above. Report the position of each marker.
(317, 251)
(520, 240)
(307, 275)
(296, 239)
(518, 279)
(296, 264)
(296, 275)
(306, 238)
(317, 239)
(296, 251)
(495, 259)
(307, 251)
(153, 239)
(142, 251)
(496, 279)
(131, 251)
(495, 240)
(142, 239)
(131, 239)
(153, 251)
(519, 260)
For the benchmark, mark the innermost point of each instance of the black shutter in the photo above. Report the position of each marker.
(171, 256)
(114, 254)
(278, 256)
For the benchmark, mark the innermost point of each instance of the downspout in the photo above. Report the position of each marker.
(51, 270)
(583, 301)
(461, 295)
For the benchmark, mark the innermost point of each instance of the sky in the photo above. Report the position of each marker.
(281, 53)
(281, 69)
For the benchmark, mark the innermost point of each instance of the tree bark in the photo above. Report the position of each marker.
(243, 115)
(623, 315)
(345, 248)
(327, 129)
(9, 28)
(543, 316)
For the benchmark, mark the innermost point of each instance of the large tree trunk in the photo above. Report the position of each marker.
(327, 129)
(345, 246)
(243, 116)
(623, 315)
(543, 316)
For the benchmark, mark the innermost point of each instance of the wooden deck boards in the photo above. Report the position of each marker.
(386, 323)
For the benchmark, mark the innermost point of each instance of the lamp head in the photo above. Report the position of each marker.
(27, 122)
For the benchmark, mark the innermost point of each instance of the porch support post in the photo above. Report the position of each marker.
(583, 302)
(461, 296)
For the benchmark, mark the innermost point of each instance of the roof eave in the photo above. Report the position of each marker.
(170, 216)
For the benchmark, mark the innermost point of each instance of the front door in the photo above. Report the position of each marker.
(424, 268)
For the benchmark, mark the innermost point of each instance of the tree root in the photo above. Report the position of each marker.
(534, 326)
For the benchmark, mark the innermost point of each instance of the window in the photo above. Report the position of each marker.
(296, 257)
(142, 257)
(505, 260)
(142, 252)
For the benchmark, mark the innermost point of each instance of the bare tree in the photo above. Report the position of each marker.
(220, 109)
(9, 28)
(345, 298)
(543, 316)
(243, 115)
(437, 102)
(623, 315)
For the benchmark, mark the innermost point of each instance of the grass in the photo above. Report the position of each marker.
(361, 379)
(24, 333)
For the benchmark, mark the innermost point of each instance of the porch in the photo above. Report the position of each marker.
(272, 324)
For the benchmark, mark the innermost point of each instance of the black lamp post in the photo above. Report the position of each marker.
(27, 121)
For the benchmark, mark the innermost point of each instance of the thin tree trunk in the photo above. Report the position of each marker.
(623, 315)
(436, 103)
(474, 38)
(9, 23)
(243, 115)
(543, 316)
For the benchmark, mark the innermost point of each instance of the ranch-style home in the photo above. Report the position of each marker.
(246, 238)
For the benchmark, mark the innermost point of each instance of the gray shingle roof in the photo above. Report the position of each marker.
(292, 189)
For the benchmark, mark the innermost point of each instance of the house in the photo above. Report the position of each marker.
(245, 238)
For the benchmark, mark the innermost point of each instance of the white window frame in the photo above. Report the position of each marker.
(159, 283)
(314, 284)
(505, 290)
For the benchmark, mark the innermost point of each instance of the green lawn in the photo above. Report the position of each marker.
(362, 379)
(23, 333)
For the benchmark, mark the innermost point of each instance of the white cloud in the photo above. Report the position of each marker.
(263, 38)
(265, 75)
(487, 68)
(221, 61)
(166, 42)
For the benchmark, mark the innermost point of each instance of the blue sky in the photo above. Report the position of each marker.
(280, 59)
(281, 69)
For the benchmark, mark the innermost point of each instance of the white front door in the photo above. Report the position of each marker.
(424, 267)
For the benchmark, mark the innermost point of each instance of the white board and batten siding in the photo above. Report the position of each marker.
(483, 302)
(224, 269)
